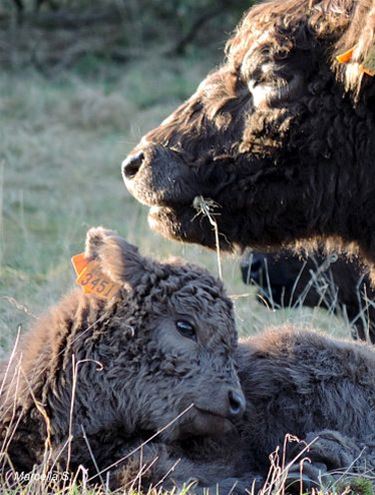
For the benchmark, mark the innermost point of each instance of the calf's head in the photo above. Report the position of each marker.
(168, 344)
(278, 136)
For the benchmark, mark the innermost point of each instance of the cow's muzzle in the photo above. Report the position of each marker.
(159, 176)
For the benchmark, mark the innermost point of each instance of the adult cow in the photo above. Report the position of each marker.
(281, 136)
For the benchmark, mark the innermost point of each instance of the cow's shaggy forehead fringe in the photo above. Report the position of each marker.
(344, 24)
(267, 35)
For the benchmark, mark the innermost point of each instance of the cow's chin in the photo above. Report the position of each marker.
(185, 225)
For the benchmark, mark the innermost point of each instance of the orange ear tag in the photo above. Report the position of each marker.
(368, 67)
(345, 57)
(79, 262)
(92, 279)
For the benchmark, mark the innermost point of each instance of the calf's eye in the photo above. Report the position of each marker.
(186, 329)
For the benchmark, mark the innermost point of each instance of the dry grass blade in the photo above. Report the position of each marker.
(277, 479)
(137, 449)
(208, 208)
(19, 306)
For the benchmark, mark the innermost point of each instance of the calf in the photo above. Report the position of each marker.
(104, 375)
(144, 384)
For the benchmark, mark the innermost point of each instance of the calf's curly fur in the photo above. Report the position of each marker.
(95, 379)
(106, 375)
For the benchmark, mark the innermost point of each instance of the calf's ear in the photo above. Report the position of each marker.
(118, 259)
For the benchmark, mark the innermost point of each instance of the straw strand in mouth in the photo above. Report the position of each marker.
(207, 207)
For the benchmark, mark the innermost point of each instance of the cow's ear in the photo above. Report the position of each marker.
(355, 50)
(118, 259)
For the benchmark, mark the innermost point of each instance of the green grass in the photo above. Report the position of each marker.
(62, 143)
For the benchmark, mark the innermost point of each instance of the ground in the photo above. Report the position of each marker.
(62, 142)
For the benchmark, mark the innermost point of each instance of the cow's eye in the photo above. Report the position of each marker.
(186, 329)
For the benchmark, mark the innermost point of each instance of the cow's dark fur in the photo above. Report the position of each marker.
(285, 279)
(281, 136)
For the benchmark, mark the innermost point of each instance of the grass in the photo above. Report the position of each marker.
(62, 143)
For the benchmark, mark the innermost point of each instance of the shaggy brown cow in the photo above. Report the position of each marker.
(112, 373)
(335, 283)
(281, 136)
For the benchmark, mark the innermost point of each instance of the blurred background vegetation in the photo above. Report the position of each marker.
(57, 34)
(80, 83)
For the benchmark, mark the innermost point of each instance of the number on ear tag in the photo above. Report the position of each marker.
(92, 279)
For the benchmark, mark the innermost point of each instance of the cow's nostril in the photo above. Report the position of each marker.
(236, 403)
(132, 164)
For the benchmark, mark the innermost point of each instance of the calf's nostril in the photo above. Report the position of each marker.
(132, 164)
(236, 403)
